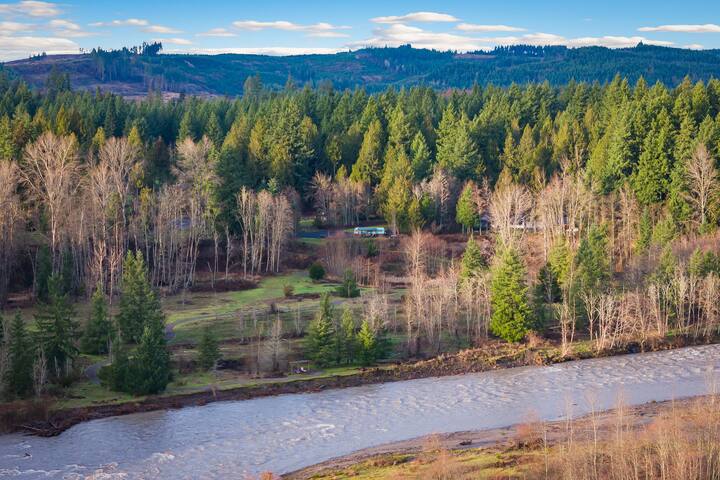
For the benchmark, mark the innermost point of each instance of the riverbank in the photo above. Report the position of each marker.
(525, 450)
(43, 420)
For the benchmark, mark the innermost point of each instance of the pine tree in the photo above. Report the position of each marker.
(138, 304)
(345, 339)
(466, 212)
(651, 181)
(473, 261)
(421, 162)
(18, 380)
(348, 288)
(367, 345)
(319, 342)
(98, 331)
(150, 366)
(560, 259)
(57, 330)
(511, 314)
(187, 127)
(368, 166)
(214, 131)
(208, 350)
(592, 262)
(456, 149)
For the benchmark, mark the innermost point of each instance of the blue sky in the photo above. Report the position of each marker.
(297, 27)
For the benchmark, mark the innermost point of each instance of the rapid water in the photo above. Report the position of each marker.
(229, 439)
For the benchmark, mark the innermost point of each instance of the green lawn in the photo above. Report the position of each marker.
(223, 311)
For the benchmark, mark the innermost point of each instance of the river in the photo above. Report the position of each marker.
(228, 439)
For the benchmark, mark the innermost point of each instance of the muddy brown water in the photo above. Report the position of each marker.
(284, 433)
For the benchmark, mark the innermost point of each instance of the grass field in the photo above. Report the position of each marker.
(455, 465)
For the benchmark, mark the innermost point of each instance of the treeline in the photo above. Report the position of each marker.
(163, 176)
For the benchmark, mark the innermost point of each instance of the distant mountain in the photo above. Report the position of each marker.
(130, 72)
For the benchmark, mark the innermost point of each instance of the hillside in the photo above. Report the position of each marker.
(131, 74)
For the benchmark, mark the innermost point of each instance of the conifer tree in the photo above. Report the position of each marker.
(473, 260)
(421, 162)
(98, 332)
(345, 338)
(466, 212)
(348, 288)
(208, 350)
(18, 381)
(57, 329)
(367, 345)
(592, 262)
(138, 304)
(511, 314)
(456, 149)
(319, 342)
(150, 366)
(368, 166)
(652, 179)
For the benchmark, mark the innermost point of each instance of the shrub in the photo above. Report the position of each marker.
(349, 287)
(316, 272)
(288, 290)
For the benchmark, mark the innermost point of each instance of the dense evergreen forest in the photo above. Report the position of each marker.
(85, 175)
(116, 199)
(135, 71)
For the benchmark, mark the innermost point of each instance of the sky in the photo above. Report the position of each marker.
(306, 26)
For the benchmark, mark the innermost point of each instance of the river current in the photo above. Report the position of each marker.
(280, 434)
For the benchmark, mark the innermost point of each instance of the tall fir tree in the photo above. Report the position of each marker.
(98, 335)
(652, 178)
(511, 316)
(473, 261)
(466, 212)
(138, 305)
(208, 350)
(345, 338)
(57, 330)
(368, 347)
(150, 365)
(18, 379)
(319, 341)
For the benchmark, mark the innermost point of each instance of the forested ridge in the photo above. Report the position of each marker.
(608, 176)
(135, 71)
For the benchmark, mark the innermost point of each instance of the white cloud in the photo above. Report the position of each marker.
(274, 51)
(427, 17)
(400, 34)
(706, 28)
(8, 28)
(543, 39)
(694, 46)
(322, 29)
(471, 27)
(217, 32)
(12, 48)
(31, 8)
(173, 41)
(141, 23)
(66, 28)
(611, 41)
(130, 22)
(159, 29)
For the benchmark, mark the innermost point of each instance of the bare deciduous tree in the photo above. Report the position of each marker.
(51, 172)
(510, 209)
(11, 215)
(703, 179)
